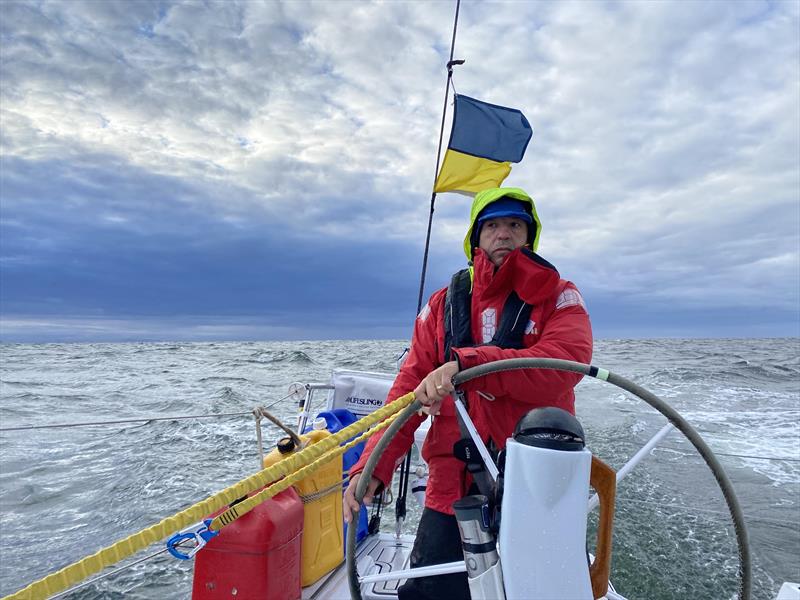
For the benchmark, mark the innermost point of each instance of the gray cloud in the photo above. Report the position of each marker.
(664, 160)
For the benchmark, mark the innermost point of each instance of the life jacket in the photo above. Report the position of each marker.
(458, 318)
(458, 334)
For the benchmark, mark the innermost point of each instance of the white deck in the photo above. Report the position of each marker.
(379, 553)
(789, 591)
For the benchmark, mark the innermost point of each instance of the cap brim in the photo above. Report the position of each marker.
(523, 216)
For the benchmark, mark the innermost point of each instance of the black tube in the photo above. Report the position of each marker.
(745, 569)
(361, 488)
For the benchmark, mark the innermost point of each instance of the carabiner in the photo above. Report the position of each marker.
(199, 533)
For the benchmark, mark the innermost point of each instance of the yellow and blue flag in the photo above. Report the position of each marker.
(484, 141)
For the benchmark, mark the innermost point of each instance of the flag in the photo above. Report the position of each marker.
(484, 141)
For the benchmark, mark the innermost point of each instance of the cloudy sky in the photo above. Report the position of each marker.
(262, 170)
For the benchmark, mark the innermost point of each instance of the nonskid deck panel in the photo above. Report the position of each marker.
(379, 553)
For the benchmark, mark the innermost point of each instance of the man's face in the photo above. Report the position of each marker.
(502, 235)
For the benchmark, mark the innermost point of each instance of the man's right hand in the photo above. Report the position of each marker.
(435, 387)
(350, 507)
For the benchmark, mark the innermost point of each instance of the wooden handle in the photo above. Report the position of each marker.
(604, 480)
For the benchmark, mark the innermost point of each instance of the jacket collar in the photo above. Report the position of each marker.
(523, 271)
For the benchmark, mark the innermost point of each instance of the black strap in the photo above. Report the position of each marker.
(457, 307)
(483, 548)
(516, 315)
(458, 318)
(466, 450)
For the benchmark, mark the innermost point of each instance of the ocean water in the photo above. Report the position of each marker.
(65, 493)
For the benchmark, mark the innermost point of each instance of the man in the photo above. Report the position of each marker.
(510, 303)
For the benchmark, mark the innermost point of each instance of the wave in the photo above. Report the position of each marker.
(280, 356)
(740, 394)
(212, 378)
(23, 383)
(227, 394)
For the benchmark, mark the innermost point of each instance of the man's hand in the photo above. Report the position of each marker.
(350, 507)
(436, 386)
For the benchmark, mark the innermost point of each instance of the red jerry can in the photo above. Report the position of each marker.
(257, 557)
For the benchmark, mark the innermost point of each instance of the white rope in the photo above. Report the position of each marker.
(110, 573)
(753, 456)
(320, 493)
(259, 438)
(140, 419)
(695, 509)
(120, 421)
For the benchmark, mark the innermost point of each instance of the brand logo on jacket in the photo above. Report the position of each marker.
(488, 324)
(530, 328)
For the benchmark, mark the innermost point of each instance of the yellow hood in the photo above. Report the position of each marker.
(485, 198)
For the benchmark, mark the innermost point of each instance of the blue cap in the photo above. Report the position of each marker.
(505, 207)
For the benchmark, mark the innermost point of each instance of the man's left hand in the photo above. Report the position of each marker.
(436, 386)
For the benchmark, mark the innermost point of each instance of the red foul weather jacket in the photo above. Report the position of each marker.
(559, 327)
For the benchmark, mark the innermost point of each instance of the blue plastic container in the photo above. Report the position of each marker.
(339, 419)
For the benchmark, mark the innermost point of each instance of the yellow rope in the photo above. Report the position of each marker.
(241, 508)
(313, 455)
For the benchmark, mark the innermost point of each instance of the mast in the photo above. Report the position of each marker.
(405, 469)
(450, 64)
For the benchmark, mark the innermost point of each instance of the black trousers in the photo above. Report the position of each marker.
(438, 541)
